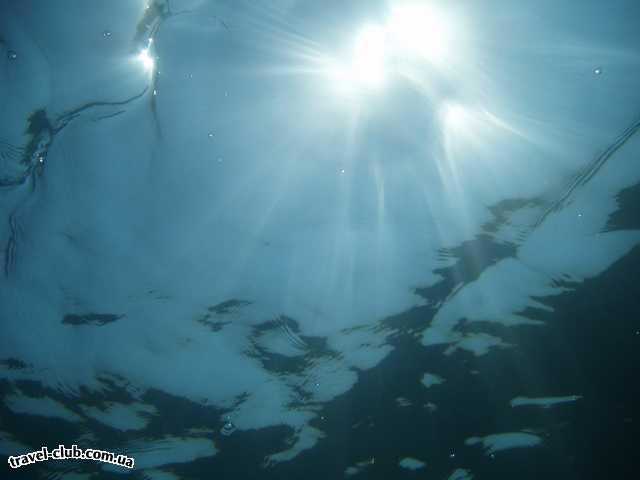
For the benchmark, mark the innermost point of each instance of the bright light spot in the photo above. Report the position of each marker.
(419, 30)
(146, 59)
(413, 33)
(340, 77)
(455, 116)
(364, 66)
(369, 57)
(473, 121)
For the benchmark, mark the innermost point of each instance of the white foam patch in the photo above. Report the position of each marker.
(412, 463)
(430, 379)
(500, 291)
(329, 378)
(431, 407)
(567, 246)
(505, 441)
(276, 342)
(120, 416)
(350, 471)
(544, 402)
(358, 467)
(303, 439)
(39, 406)
(476, 343)
(268, 405)
(361, 348)
(460, 474)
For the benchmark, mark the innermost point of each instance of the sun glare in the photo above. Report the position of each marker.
(411, 32)
(369, 57)
(145, 57)
(419, 30)
(365, 67)
(455, 116)
(146, 60)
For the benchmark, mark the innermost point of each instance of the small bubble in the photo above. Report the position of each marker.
(106, 34)
(597, 70)
(210, 135)
(12, 55)
(219, 159)
(228, 428)
(342, 170)
(452, 455)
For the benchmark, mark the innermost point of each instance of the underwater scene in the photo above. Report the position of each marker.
(319, 239)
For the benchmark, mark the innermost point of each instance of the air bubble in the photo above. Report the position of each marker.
(227, 429)
(597, 70)
(106, 34)
(12, 55)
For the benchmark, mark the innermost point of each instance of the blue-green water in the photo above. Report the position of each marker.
(296, 239)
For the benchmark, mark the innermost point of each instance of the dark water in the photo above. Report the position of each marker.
(589, 346)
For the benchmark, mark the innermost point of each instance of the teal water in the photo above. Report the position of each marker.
(295, 239)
